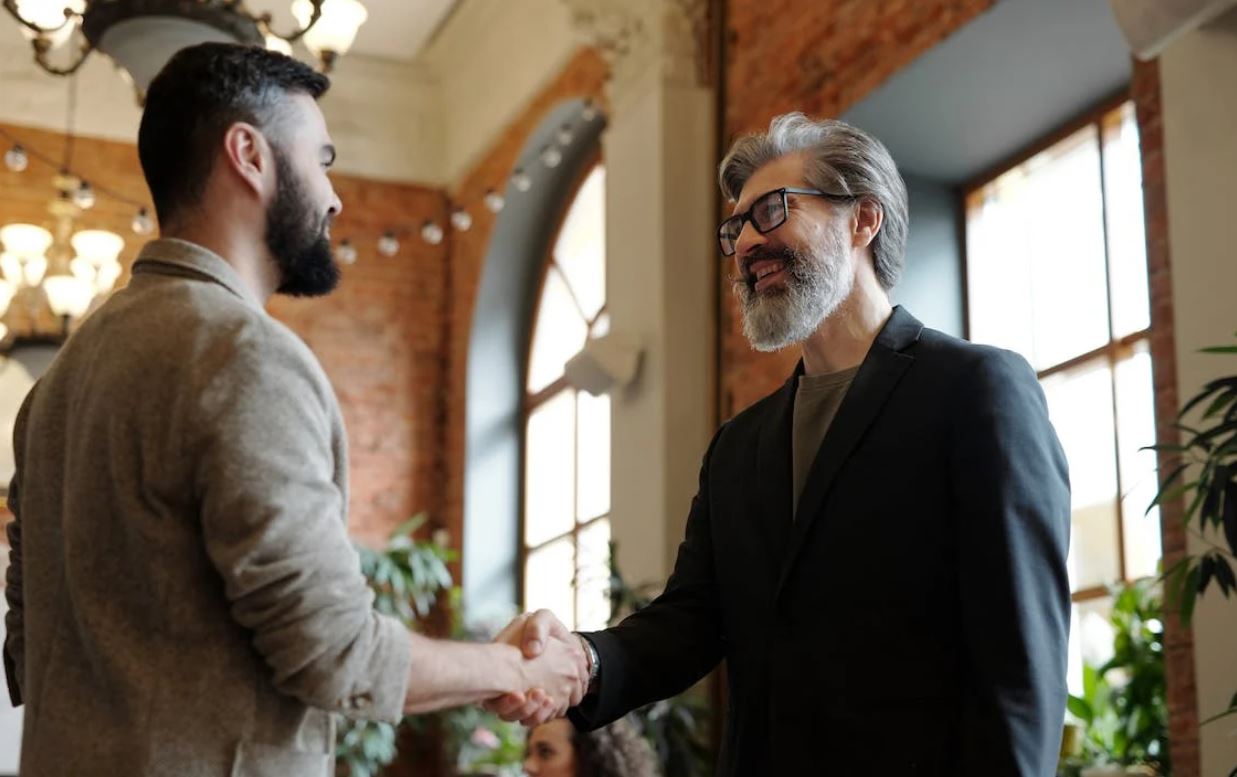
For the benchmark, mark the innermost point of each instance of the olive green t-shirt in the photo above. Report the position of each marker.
(817, 400)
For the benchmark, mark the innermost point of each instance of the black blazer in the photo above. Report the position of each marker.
(912, 618)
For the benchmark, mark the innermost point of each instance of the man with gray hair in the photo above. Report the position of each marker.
(878, 548)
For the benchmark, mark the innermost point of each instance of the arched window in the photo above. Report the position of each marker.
(566, 473)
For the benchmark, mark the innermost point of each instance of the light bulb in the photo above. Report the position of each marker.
(494, 201)
(388, 245)
(142, 223)
(551, 157)
(431, 233)
(589, 111)
(565, 135)
(345, 252)
(461, 219)
(520, 180)
(332, 35)
(83, 196)
(276, 43)
(16, 159)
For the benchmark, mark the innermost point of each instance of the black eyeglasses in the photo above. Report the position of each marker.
(767, 213)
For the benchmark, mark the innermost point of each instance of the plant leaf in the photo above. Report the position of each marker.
(1189, 595)
(1219, 349)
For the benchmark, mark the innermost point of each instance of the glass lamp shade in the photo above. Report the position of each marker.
(276, 43)
(25, 240)
(23, 271)
(7, 290)
(68, 295)
(336, 27)
(102, 278)
(49, 14)
(97, 246)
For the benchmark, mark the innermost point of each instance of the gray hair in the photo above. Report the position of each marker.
(841, 160)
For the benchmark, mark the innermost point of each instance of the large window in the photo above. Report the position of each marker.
(567, 432)
(1057, 271)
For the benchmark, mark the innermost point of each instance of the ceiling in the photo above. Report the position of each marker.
(1005, 80)
(396, 29)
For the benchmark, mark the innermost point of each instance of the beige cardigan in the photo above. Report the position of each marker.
(184, 599)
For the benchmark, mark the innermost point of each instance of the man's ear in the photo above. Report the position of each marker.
(248, 155)
(866, 222)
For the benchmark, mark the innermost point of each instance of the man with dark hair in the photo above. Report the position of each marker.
(184, 599)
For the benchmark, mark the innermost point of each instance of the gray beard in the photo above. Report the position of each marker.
(816, 283)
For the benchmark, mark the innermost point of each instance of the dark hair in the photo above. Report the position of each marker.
(617, 750)
(199, 93)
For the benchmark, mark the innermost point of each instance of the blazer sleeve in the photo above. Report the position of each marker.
(273, 524)
(1010, 482)
(672, 643)
(14, 619)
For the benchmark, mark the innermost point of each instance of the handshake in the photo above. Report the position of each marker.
(554, 668)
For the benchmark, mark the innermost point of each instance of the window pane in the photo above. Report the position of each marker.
(548, 573)
(593, 577)
(1139, 479)
(581, 246)
(1090, 639)
(593, 462)
(1035, 255)
(549, 469)
(1080, 404)
(559, 333)
(1127, 246)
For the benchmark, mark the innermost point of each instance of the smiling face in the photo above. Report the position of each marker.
(789, 280)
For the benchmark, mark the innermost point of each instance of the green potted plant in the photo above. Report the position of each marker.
(1123, 711)
(1205, 474)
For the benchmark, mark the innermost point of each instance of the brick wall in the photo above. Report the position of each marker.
(379, 336)
(819, 58)
(583, 76)
(1179, 641)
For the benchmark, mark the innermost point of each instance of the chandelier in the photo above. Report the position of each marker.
(63, 270)
(142, 35)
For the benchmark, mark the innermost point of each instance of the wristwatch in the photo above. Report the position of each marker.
(594, 662)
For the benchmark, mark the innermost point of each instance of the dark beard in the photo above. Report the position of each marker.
(300, 246)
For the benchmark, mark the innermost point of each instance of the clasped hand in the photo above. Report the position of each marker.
(555, 670)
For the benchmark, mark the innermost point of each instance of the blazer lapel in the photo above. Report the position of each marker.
(878, 375)
(773, 471)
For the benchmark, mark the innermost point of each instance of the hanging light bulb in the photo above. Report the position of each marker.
(345, 252)
(388, 245)
(431, 233)
(461, 219)
(51, 15)
(589, 111)
(16, 159)
(520, 180)
(334, 32)
(83, 196)
(565, 135)
(276, 43)
(142, 222)
(551, 157)
(494, 201)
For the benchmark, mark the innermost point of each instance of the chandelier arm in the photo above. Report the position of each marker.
(265, 23)
(41, 50)
(11, 7)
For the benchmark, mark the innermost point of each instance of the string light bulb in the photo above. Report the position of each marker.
(431, 233)
(565, 135)
(142, 223)
(388, 245)
(16, 159)
(551, 157)
(494, 201)
(345, 252)
(461, 219)
(83, 196)
(520, 180)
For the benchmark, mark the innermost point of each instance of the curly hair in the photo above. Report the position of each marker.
(616, 750)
